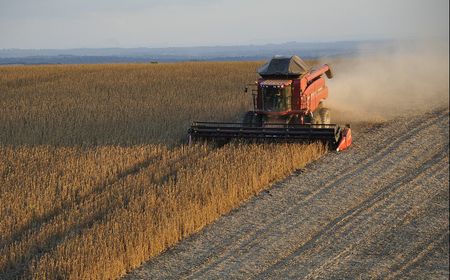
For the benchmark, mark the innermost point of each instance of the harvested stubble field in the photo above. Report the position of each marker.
(379, 210)
(94, 175)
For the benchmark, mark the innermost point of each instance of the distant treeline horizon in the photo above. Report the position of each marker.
(180, 54)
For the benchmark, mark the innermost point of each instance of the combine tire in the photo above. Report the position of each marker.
(325, 115)
(317, 119)
(252, 120)
(295, 120)
(248, 118)
(258, 121)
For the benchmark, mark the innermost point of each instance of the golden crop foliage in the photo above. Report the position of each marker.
(94, 178)
(117, 104)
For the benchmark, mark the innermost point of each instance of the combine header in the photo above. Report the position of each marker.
(288, 105)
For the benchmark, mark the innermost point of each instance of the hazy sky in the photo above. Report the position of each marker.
(159, 23)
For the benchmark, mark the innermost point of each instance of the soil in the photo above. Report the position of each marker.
(377, 210)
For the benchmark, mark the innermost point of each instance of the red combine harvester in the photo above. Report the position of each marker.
(288, 105)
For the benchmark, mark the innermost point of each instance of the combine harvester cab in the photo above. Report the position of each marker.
(288, 106)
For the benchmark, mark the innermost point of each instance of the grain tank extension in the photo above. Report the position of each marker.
(288, 104)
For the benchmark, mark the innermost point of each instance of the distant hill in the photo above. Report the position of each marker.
(173, 54)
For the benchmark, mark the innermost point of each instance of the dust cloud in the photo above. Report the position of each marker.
(400, 80)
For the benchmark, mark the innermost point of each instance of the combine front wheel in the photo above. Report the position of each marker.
(325, 116)
(316, 119)
(252, 120)
(248, 118)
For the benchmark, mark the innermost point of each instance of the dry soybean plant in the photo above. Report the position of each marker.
(93, 178)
